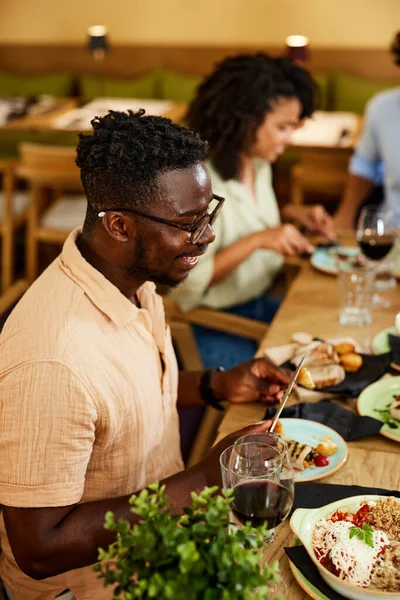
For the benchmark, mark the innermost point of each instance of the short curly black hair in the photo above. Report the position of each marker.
(120, 161)
(395, 48)
(231, 103)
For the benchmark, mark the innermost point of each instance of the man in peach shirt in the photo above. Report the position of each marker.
(89, 384)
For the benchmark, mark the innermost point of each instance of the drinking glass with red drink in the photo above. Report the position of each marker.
(376, 237)
(262, 480)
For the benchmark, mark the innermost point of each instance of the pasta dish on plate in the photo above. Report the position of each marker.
(362, 548)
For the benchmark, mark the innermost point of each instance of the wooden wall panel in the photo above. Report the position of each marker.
(132, 60)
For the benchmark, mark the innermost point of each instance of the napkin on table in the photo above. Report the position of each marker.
(299, 557)
(314, 495)
(394, 342)
(347, 424)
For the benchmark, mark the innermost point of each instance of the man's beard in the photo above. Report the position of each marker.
(138, 270)
(158, 279)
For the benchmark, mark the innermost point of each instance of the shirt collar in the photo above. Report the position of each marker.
(104, 295)
(237, 188)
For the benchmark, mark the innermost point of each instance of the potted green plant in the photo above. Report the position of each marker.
(193, 555)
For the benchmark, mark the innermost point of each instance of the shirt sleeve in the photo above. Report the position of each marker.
(366, 161)
(373, 171)
(47, 431)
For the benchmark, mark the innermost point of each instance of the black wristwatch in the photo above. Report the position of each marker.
(206, 390)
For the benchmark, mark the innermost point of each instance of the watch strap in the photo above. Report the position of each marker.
(206, 391)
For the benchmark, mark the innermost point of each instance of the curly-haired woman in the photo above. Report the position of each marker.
(247, 110)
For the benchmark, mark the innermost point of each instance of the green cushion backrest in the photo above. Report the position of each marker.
(351, 92)
(92, 86)
(11, 139)
(56, 84)
(323, 93)
(178, 86)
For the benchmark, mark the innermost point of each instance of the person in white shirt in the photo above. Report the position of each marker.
(247, 110)
(376, 159)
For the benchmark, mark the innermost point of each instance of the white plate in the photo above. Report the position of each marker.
(380, 343)
(378, 396)
(324, 259)
(310, 433)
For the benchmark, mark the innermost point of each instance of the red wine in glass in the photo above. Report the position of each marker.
(376, 247)
(376, 238)
(262, 502)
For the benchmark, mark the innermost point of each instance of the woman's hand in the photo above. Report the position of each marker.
(286, 240)
(314, 218)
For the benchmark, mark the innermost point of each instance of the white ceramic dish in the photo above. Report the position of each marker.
(323, 259)
(303, 523)
(378, 396)
(311, 432)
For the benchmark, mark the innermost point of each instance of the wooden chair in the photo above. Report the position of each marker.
(12, 295)
(13, 214)
(186, 348)
(50, 169)
(321, 172)
(216, 319)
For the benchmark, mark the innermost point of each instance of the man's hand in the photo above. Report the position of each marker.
(286, 240)
(252, 381)
(210, 466)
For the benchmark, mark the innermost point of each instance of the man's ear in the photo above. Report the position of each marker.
(121, 228)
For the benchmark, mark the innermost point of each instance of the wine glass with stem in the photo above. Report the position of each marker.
(262, 480)
(376, 237)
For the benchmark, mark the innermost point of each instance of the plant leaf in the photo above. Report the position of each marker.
(365, 534)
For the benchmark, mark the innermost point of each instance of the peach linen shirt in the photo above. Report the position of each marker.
(88, 390)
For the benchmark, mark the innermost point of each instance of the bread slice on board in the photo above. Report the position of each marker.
(305, 379)
(323, 354)
(327, 375)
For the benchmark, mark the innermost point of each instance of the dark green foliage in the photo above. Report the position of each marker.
(189, 556)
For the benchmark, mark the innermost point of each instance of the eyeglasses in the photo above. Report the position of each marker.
(196, 230)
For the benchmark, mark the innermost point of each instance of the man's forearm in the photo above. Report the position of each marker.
(356, 192)
(189, 388)
(73, 539)
(66, 538)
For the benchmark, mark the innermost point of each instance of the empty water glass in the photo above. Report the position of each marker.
(385, 278)
(224, 464)
(356, 287)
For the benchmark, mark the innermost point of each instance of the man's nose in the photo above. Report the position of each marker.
(208, 236)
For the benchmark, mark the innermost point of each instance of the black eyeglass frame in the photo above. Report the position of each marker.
(196, 230)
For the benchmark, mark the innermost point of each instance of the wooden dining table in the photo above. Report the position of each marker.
(312, 305)
(47, 121)
(42, 121)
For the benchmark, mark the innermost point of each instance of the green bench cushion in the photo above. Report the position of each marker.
(351, 92)
(323, 93)
(10, 140)
(56, 84)
(177, 86)
(92, 87)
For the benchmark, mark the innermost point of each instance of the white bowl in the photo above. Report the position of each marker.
(303, 523)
